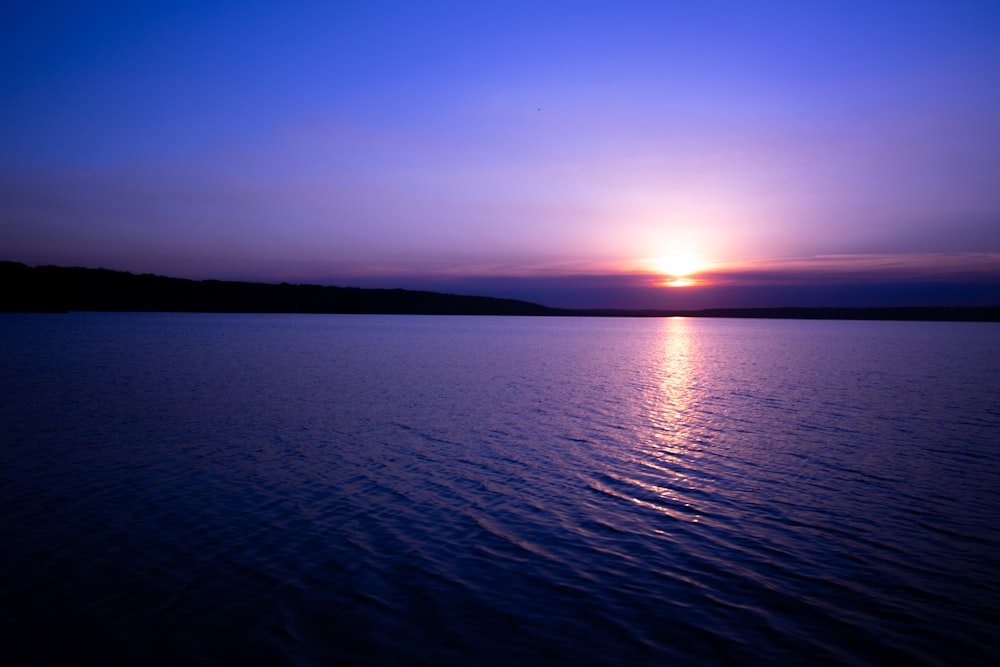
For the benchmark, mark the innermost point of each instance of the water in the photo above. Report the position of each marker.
(312, 490)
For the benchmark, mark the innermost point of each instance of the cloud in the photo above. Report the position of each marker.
(862, 268)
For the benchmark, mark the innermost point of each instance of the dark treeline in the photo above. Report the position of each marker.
(64, 289)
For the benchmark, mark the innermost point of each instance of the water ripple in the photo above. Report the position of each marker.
(426, 491)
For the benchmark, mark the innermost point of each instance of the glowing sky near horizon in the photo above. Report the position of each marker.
(496, 146)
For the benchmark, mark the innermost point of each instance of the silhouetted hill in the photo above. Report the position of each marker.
(62, 289)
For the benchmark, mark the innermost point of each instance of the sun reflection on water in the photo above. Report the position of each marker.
(666, 471)
(676, 371)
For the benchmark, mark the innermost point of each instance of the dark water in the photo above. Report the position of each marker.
(311, 490)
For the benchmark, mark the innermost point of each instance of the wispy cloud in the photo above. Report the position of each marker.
(860, 268)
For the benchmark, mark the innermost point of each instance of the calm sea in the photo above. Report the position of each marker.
(336, 490)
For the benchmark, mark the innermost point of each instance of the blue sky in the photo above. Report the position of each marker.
(808, 152)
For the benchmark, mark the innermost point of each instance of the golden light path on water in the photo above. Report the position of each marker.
(669, 446)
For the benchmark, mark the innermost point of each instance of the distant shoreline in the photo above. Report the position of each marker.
(55, 289)
(895, 313)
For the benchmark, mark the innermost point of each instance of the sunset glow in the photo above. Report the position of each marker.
(678, 265)
(731, 150)
(678, 270)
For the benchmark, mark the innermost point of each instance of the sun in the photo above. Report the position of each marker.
(677, 269)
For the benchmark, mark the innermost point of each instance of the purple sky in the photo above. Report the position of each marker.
(806, 153)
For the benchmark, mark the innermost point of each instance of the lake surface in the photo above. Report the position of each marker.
(315, 490)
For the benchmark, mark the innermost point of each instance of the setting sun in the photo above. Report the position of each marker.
(677, 269)
(678, 282)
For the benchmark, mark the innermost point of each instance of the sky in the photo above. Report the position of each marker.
(578, 154)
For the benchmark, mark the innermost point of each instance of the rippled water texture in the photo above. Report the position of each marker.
(309, 490)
